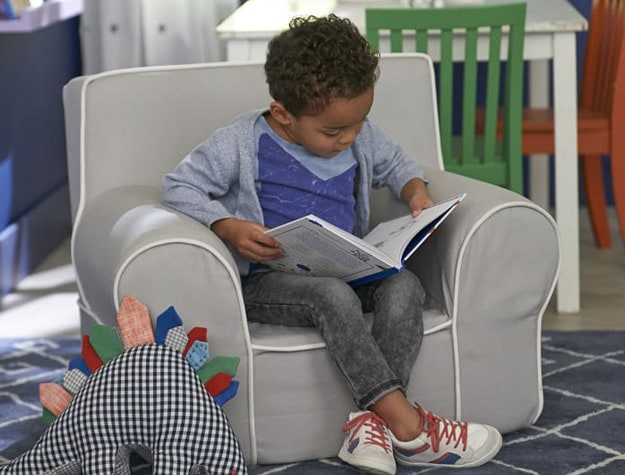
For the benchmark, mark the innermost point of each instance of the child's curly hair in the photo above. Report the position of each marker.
(319, 59)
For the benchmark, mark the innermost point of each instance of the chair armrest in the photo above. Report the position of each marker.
(495, 247)
(126, 242)
(498, 255)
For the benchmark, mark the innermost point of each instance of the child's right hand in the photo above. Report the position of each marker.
(248, 239)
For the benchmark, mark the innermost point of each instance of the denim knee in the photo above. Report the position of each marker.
(405, 287)
(329, 296)
(405, 296)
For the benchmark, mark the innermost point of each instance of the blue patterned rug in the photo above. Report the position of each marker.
(581, 430)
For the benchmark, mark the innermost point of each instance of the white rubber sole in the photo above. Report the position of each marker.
(475, 463)
(369, 465)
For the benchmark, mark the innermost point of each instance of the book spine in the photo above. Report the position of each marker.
(372, 277)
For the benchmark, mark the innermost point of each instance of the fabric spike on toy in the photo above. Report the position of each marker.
(135, 386)
(135, 329)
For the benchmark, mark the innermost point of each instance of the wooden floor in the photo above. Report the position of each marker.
(45, 302)
(602, 277)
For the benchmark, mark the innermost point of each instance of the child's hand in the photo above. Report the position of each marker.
(416, 195)
(248, 239)
(418, 202)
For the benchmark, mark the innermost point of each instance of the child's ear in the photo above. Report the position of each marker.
(279, 113)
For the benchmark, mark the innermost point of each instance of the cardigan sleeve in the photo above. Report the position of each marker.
(198, 185)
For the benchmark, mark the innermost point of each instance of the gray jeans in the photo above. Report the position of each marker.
(374, 360)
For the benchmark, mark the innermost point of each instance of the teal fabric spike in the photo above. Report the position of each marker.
(218, 364)
(198, 354)
(177, 339)
(227, 394)
(105, 342)
(165, 322)
(73, 380)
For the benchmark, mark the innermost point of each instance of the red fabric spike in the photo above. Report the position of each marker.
(89, 354)
(54, 397)
(218, 383)
(195, 334)
(135, 325)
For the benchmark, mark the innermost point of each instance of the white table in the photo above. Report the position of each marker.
(550, 39)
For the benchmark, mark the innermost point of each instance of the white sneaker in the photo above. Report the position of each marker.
(367, 444)
(449, 443)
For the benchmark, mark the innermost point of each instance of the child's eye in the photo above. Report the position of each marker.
(331, 133)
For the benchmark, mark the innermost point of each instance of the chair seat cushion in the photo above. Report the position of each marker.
(287, 339)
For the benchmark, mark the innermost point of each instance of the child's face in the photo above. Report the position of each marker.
(329, 132)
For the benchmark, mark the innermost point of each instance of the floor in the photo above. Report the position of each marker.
(44, 304)
(602, 276)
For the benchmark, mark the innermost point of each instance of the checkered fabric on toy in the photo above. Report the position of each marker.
(135, 389)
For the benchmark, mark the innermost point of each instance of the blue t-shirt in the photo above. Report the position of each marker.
(291, 182)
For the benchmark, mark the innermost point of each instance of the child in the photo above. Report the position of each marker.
(315, 152)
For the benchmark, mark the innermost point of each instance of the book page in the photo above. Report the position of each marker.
(311, 248)
(394, 237)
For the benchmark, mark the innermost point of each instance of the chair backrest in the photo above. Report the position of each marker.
(130, 127)
(603, 79)
(470, 35)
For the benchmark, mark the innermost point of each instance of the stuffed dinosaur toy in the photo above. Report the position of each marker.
(135, 389)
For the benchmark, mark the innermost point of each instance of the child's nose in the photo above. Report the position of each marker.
(348, 136)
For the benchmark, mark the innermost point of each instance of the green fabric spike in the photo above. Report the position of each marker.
(218, 364)
(105, 342)
(48, 417)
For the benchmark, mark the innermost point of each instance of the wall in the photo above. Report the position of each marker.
(34, 203)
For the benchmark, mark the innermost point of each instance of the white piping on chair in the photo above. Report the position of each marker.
(289, 349)
(437, 130)
(542, 313)
(81, 199)
(321, 345)
(89, 312)
(438, 328)
(463, 248)
(246, 334)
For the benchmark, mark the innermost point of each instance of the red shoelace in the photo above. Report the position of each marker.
(452, 431)
(375, 429)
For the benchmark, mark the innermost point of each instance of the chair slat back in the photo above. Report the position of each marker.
(603, 84)
(462, 33)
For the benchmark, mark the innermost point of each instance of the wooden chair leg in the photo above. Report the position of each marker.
(617, 167)
(592, 176)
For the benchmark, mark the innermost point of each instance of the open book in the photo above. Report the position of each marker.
(315, 247)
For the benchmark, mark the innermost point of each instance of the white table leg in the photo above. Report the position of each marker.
(539, 164)
(566, 169)
(237, 50)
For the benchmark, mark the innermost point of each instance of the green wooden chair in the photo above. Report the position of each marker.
(471, 35)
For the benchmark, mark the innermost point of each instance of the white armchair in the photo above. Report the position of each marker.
(489, 270)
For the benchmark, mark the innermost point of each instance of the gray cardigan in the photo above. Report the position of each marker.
(217, 179)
